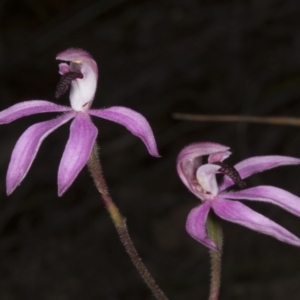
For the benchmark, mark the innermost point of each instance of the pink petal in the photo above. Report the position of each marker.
(83, 134)
(27, 108)
(190, 159)
(133, 121)
(258, 164)
(196, 225)
(271, 194)
(236, 212)
(26, 150)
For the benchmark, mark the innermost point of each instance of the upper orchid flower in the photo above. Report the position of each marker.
(200, 178)
(81, 73)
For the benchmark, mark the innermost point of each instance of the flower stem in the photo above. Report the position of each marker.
(120, 224)
(215, 233)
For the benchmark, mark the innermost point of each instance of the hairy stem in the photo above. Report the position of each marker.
(120, 224)
(215, 233)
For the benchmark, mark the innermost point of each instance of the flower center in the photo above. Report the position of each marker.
(232, 173)
(65, 82)
(206, 180)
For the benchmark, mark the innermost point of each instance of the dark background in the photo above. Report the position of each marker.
(157, 57)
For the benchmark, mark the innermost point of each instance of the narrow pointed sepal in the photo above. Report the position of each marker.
(236, 212)
(258, 164)
(83, 134)
(133, 121)
(196, 225)
(26, 149)
(28, 108)
(270, 194)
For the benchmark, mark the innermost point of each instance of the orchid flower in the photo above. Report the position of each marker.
(200, 179)
(81, 74)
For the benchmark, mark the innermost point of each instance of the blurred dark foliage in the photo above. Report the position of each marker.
(157, 57)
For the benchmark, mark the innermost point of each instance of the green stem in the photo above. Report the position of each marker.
(120, 224)
(215, 233)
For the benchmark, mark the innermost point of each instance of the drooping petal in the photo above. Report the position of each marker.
(26, 150)
(258, 164)
(190, 159)
(83, 134)
(236, 212)
(271, 194)
(196, 225)
(27, 108)
(133, 121)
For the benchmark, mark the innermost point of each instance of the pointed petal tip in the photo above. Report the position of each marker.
(153, 151)
(61, 191)
(62, 187)
(12, 182)
(208, 243)
(295, 243)
(9, 191)
(214, 248)
(155, 154)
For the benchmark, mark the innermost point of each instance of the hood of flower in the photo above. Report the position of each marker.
(82, 90)
(190, 164)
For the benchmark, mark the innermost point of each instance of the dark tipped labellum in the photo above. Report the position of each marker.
(65, 81)
(232, 173)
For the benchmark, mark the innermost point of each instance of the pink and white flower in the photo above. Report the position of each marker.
(200, 179)
(81, 74)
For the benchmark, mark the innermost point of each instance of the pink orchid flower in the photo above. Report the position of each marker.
(81, 73)
(200, 179)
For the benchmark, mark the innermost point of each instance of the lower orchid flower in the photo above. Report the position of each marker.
(200, 179)
(81, 74)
